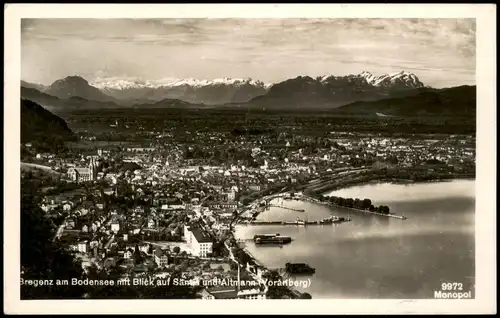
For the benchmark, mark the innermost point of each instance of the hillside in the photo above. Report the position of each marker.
(39, 87)
(41, 126)
(61, 105)
(58, 105)
(455, 101)
(169, 103)
(45, 100)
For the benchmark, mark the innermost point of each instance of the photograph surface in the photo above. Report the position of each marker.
(248, 158)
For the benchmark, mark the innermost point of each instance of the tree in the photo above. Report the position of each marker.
(305, 296)
(341, 202)
(366, 203)
(137, 255)
(206, 265)
(357, 203)
(275, 292)
(41, 257)
(242, 257)
(233, 266)
(184, 265)
(384, 209)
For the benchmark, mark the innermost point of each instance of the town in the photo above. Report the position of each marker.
(144, 202)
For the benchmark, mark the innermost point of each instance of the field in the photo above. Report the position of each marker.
(136, 124)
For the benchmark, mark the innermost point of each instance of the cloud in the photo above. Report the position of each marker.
(156, 48)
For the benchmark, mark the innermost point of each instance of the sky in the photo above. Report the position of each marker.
(441, 52)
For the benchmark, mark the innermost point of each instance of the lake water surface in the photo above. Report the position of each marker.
(375, 256)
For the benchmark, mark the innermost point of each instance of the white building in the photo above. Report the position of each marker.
(128, 253)
(230, 292)
(201, 244)
(161, 258)
(254, 187)
(82, 246)
(67, 206)
(151, 223)
(188, 235)
(115, 227)
(231, 195)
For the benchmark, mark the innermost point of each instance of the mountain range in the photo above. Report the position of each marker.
(303, 93)
(214, 92)
(334, 91)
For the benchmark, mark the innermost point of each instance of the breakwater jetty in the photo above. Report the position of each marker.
(284, 207)
(314, 200)
(327, 221)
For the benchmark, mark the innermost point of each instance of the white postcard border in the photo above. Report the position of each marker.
(485, 301)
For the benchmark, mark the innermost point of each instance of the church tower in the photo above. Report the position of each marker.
(93, 169)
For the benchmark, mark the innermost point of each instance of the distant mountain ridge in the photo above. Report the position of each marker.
(363, 86)
(333, 91)
(37, 86)
(211, 92)
(57, 105)
(454, 101)
(61, 105)
(119, 83)
(301, 93)
(76, 86)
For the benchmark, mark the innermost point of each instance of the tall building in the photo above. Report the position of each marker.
(84, 174)
(201, 244)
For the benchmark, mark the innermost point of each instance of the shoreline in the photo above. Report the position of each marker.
(353, 184)
(290, 290)
(376, 180)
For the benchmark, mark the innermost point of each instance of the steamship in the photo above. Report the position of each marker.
(271, 239)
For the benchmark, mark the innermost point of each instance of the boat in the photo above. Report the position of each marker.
(332, 220)
(329, 220)
(271, 239)
(300, 222)
(299, 268)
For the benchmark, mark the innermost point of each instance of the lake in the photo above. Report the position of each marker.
(374, 256)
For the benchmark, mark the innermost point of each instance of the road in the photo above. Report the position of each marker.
(37, 166)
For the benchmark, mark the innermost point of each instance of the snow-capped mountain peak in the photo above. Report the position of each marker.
(401, 78)
(214, 91)
(130, 83)
(370, 78)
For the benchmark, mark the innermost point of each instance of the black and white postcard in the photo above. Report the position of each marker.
(338, 158)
